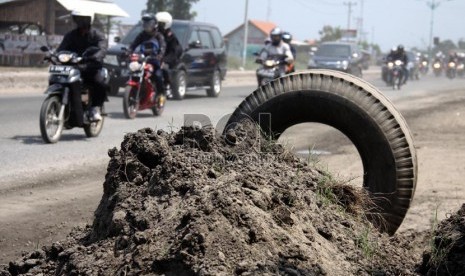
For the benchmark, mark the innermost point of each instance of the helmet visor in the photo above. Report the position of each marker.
(148, 25)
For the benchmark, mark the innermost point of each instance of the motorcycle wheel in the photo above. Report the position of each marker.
(215, 85)
(94, 128)
(130, 104)
(358, 110)
(51, 126)
(158, 109)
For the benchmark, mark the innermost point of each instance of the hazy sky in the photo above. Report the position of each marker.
(388, 22)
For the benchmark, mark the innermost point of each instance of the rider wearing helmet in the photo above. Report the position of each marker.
(150, 34)
(402, 56)
(287, 38)
(173, 47)
(277, 47)
(79, 40)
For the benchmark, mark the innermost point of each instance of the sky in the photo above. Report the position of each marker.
(386, 22)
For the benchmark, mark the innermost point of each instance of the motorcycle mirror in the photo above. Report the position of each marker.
(44, 48)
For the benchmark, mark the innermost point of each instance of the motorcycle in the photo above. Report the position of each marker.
(140, 92)
(58, 112)
(271, 68)
(451, 70)
(424, 67)
(396, 73)
(437, 68)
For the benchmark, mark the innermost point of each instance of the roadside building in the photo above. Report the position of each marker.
(26, 25)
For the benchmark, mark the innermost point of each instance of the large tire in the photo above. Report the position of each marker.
(158, 109)
(50, 125)
(179, 86)
(363, 114)
(214, 89)
(130, 105)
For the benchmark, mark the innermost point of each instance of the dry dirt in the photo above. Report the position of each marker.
(438, 125)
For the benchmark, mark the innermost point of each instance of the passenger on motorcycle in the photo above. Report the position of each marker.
(78, 40)
(287, 37)
(150, 34)
(173, 47)
(278, 47)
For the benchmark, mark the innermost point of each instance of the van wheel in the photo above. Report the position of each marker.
(215, 85)
(363, 114)
(179, 85)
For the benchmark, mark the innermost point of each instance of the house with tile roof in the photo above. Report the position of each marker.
(258, 31)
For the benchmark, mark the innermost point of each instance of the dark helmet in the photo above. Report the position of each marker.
(149, 22)
(276, 36)
(287, 37)
(82, 19)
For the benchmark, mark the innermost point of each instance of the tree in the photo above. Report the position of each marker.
(445, 46)
(179, 9)
(329, 33)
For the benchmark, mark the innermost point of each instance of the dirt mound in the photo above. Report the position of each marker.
(192, 203)
(447, 247)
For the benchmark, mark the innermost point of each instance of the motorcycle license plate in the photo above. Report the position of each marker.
(266, 73)
(60, 69)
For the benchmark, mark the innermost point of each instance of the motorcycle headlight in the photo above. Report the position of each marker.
(269, 63)
(424, 63)
(460, 66)
(64, 58)
(451, 64)
(398, 62)
(437, 65)
(135, 66)
(390, 64)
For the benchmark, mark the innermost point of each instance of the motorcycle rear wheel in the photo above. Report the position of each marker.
(51, 126)
(130, 103)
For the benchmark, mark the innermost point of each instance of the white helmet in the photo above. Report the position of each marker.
(82, 18)
(165, 20)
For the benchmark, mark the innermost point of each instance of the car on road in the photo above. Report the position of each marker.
(341, 56)
(203, 62)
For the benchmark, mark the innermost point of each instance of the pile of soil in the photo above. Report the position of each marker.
(194, 203)
(446, 255)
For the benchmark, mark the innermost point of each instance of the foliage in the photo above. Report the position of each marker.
(445, 46)
(179, 9)
(330, 33)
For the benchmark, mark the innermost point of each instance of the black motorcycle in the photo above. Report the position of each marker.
(396, 73)
(274, 66)
(437, 68)
(451, 70)
(65, 79)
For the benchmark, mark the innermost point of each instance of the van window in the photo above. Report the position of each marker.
(194, 37)
(333, 50)
(217, 38)
(206, 39)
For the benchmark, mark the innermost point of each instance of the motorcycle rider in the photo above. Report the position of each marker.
(173, 47)
(150, 34)
(78, 40)
(277, 47)
(400, 54)
(287, 38)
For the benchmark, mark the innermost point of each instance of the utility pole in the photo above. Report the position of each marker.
(349, 11)
(433, 5)
(246, 34)
(362, 34)
(268, 11)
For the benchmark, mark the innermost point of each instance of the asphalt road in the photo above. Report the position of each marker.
(24, 157)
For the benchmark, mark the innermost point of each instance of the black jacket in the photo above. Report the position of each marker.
(144, 36)
(173, 48)
(76, 42)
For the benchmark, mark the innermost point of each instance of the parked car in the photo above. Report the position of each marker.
(203, 63)
(341, 56)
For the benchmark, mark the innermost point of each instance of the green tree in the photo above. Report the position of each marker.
(329, 33)
(445, 46)
(179, 9)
